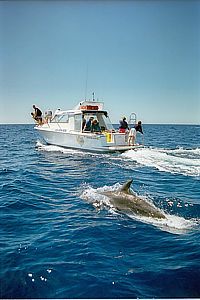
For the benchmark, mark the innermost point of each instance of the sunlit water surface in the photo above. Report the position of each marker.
(62, 238)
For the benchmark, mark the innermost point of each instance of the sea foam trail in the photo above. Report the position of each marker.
(53, 148)
(171, 223)
(181, 161)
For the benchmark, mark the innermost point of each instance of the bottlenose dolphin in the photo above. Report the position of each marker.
(124, 200)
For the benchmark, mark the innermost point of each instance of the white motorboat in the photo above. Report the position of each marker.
(65, 128)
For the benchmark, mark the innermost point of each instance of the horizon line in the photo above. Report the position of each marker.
(192, 124)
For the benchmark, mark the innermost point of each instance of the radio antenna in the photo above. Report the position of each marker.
(86, 82)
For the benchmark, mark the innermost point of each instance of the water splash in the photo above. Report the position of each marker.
(171, 223)
(178, 161)
(52, 148)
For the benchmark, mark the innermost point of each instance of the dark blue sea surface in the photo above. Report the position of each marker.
(61, 238)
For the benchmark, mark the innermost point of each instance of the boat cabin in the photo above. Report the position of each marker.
(73, 119)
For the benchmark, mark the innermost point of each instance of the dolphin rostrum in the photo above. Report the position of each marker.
(124, 200)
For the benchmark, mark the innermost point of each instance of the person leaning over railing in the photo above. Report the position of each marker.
(133, 133)
(37, 115)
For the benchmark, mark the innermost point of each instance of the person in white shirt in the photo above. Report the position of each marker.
(132, 136)
(133, 133)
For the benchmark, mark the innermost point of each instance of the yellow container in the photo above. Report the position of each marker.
(108, 137)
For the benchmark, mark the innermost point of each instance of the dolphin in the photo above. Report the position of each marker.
(124, 200)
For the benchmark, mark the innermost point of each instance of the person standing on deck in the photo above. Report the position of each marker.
(83, 122)
(123, 125)
(133, 133)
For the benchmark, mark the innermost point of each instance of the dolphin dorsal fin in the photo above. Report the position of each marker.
(126, 186)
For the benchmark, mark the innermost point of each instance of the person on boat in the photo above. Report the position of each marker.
(95, 126)
(33, 115)
(138, 127)
(133, 133)
(37, 115)
(48, 116)
(123, 127)
(88, 125)
(83, 122)
(57, 111)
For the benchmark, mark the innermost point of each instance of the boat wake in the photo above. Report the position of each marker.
(179, 161)
(68, 151)
(52, 148)
(172, 223)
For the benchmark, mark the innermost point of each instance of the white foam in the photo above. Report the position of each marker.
(182, 150)
(96, 198)
(53, 148)
(181, 161)
(171, 223)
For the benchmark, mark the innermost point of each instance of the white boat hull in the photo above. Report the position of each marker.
(86, 127)
(86, 141)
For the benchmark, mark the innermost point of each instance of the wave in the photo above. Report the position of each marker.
(172, 223)
(180, 161)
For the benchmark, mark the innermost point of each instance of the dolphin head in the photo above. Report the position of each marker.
(126, 187)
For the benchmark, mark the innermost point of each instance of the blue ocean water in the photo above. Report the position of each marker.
(60, 237)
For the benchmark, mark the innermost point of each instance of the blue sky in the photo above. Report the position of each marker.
(141, 56)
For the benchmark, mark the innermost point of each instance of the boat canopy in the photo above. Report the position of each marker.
(63, 116)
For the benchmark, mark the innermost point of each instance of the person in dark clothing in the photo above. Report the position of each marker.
(133, 133)
(88, 125)
(123, 125)
(37, 114)
(83, 122)
(95, 126)
(138, 127)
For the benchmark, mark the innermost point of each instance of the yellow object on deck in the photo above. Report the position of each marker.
(108, 137)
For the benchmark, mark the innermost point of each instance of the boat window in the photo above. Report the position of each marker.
(105, 122)
(55, 119)
(60, 118)
(78, 122)
(64, 118)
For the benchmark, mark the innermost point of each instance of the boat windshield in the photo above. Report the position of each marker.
(102, 118)
(61, 117)
(105, 122)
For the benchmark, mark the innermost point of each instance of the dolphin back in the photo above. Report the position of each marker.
(126, 187)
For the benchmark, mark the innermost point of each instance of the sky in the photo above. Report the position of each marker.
(136, 56)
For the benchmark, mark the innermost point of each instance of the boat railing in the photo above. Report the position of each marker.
(132, 119)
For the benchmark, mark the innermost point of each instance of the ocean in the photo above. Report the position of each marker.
(61, 237)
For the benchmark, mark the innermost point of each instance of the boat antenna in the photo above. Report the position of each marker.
(93, 96)
(86, 82)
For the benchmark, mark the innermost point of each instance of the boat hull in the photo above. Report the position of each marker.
(86, 141)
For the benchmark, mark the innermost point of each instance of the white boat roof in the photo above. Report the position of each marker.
(99, 105)
(90, 106)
